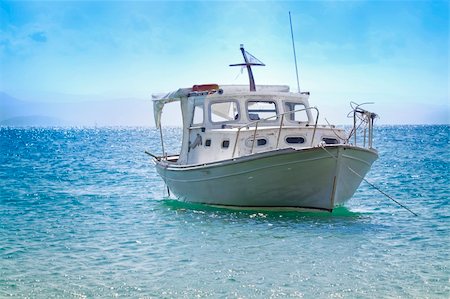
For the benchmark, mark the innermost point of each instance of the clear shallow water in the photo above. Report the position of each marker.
(83, 214)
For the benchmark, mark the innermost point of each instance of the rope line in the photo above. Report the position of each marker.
(382, 192)
(372, 185)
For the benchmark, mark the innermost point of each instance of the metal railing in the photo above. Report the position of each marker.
(248, 125)
(366, 119)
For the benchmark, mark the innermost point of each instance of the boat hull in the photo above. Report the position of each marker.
(312, 178)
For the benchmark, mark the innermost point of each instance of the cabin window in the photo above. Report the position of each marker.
(224, 112)
(197, 118)
(298, 116)
(208, 142)
(261, 109)
(330, 140)
(295, 140)
(225, 143)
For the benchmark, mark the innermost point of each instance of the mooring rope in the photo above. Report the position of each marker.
(372, 185)
(382, 192)
(159, 159)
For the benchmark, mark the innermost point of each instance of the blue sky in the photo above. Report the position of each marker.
(394, 53)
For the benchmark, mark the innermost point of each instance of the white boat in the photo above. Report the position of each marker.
(262, 148)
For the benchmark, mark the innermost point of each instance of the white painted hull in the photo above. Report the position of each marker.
(312, 178)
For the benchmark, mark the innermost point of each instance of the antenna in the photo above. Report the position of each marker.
(295, 56)
(249, 61)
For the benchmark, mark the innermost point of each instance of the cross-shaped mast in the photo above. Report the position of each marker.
(249, 60)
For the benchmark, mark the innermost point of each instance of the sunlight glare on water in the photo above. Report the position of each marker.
(84, 214)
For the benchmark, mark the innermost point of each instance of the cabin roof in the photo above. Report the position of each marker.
(159, 100)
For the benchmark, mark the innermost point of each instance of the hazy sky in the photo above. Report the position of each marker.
(394, 53)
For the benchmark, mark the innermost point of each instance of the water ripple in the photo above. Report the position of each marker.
(83, 214)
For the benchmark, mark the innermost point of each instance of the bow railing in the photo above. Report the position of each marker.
(363, 121)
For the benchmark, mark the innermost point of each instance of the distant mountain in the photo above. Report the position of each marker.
(12, 109)
(34, 120)
(115, 112)
(10, 106)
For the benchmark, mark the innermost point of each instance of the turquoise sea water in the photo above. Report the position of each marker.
(83, 215)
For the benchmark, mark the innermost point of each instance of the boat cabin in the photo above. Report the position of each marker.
(232, 121)
(228, 122)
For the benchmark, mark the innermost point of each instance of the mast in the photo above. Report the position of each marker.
(249, 60)
(295, 56)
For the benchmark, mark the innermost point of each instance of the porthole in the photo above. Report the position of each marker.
(330, 140)
(295, 140)
(225, 143)
(258, 142)
(261, 141)
(208, 142)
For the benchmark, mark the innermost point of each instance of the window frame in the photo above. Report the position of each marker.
(202, 107)
(286, 106)
(277, 111)
(238, 108)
